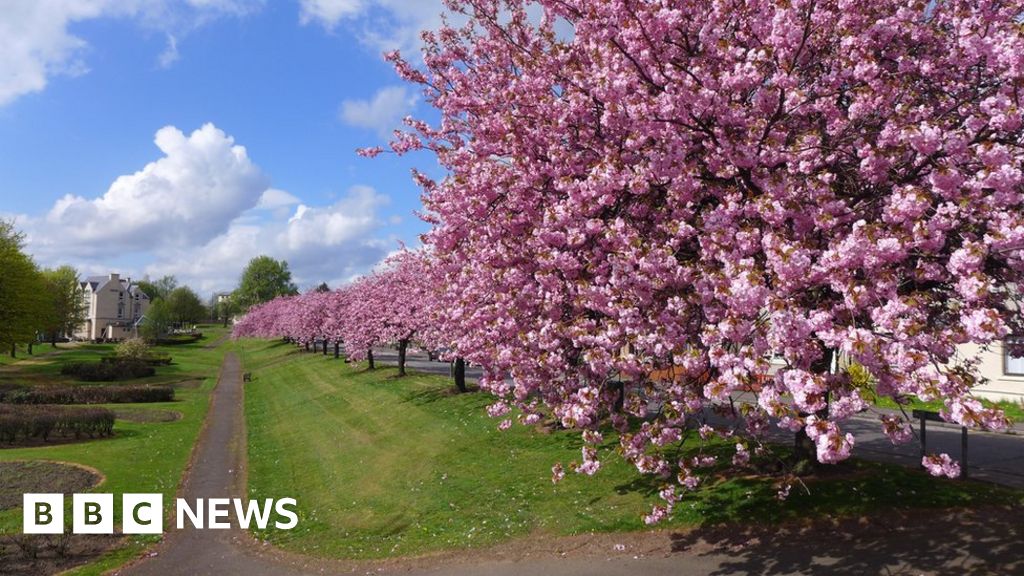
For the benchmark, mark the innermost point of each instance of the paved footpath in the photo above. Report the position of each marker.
(962, 542)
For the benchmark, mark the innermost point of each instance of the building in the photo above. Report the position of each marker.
(1004, 374)
(113, 307)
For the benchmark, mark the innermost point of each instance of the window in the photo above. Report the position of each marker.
(120, 309)
(1013, 365)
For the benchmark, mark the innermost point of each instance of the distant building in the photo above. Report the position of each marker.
(113, 307)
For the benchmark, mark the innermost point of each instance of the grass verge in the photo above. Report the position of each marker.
(383, 466)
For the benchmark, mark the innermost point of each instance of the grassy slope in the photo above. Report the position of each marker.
(141, 457)
(1013, 410)
(383, 466)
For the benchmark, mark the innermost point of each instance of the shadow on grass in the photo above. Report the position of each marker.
(431, 395)
(969, 542)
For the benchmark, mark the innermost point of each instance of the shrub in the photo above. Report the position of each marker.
(46, 421)
(152, 359)
(89, 395)
(132, 349)
(180, 339)
(120, 369)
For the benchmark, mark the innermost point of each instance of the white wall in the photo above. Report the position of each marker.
(1000, 386)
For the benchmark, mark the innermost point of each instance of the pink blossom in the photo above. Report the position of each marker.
(742, 456)
(941, 465)
(557, 473)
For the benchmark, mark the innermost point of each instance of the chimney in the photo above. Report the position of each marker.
(115, 277)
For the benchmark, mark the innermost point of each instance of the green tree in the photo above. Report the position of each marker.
(263, 280)
(222, 308)
(161, 288)
(157, 320)
(184, 306)
(68, 308)
(25, 306)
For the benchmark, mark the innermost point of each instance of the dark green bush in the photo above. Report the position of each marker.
(150, 359)
(108, 371)
(89, 395)
(179, 339)
(44, 422)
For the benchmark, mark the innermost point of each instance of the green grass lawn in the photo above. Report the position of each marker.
(383, 466)
(1014, 410)
(141, 457)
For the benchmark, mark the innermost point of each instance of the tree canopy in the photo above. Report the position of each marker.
(680, 203)
(65, 293)
(160, 288)
(25, 303)
(184, 306)
(263, 279)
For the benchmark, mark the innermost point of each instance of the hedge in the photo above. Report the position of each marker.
(45, 421)
(108, 371)
(88, 395)
(150, 359)
(179, 339)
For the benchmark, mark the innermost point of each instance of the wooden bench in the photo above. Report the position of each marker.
(930, 415)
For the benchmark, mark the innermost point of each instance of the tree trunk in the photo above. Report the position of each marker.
(460, 374)
(29, 348)
(369, 358)
(619, 387)
(325, 346)
(307, 346)
(403, 345)
(337, 349)
(53, 339)
(14, 350)
(804, 450)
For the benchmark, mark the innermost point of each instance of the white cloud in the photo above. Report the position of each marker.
(35, 44)
(383, 24)
(331, 243)
(344, 221)
(200, 212)
(383, 113)
(273, 198)
(170, 54)
(328, 13)
(202, 183)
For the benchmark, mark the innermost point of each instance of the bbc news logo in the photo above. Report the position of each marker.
(144, 513)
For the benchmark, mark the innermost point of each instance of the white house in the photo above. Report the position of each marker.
(113, 307)
(1004, 373)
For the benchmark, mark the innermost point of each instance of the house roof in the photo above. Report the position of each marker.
(95, 281)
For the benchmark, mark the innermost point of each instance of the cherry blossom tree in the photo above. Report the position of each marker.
(698, 188)
(391, 305)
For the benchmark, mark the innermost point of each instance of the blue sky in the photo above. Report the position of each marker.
(123, 123)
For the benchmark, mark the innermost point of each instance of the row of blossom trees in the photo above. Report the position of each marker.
(694, 189)
(393, 305)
